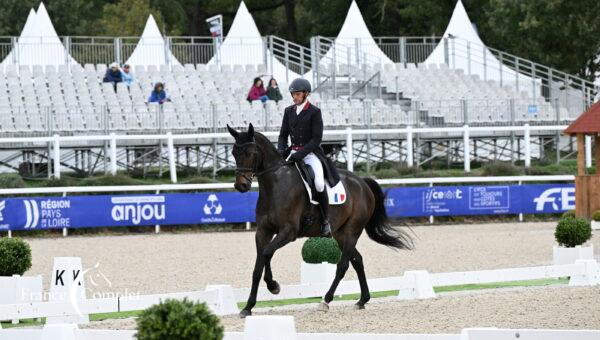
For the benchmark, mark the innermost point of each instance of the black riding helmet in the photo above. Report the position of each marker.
(300, 85)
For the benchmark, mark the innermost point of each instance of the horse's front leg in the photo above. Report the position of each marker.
(262, 257)
(272, 285)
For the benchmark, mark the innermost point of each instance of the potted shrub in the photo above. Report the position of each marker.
(596, 220)
(320, 257)
(571, 233)
(15, 256)
(176, 319)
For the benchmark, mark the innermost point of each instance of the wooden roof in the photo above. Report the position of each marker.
(588, 122)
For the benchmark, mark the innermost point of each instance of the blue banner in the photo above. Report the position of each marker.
(233, 207)
(126, 210)
(480, 200)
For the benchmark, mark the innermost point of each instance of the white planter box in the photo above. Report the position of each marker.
(311, 273)
(563, 255)
(595, 225)
(20, 289)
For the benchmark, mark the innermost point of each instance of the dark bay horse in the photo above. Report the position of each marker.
(283, 213)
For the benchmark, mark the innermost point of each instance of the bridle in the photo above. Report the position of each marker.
(242, 171)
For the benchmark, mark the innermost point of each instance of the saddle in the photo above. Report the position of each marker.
(337, 194)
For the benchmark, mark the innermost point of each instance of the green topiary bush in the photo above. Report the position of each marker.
(15, 256)
(182, 320)
(318, 249)
(11, 181)
(568, 214)
(596, 216)
(572, 231)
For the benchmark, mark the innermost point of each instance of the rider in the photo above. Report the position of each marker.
(304, 124)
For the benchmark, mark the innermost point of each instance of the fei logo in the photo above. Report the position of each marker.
(212, 205)
(2, 206)
(566, 196)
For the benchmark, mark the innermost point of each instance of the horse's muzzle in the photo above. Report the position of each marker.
(242, 186)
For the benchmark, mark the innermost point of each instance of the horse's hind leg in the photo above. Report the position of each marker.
(365, 295)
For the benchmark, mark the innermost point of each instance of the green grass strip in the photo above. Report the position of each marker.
(374, 295)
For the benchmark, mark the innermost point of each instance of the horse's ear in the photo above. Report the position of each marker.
(232, 132)
(250, 131)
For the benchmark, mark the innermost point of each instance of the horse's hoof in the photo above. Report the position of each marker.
(359, 306)
(244, 313)
(323, 306)
(275, 288)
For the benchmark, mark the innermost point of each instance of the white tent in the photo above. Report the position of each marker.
(244, 45)
(38, 44)
(354, 44)
(151, 49)
(466, 51)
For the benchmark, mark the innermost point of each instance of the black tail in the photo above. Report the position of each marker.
(379, 229)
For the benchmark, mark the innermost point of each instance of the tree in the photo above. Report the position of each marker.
(127, 18)
(562, 34)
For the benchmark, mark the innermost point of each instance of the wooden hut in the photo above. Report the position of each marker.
(587, 187)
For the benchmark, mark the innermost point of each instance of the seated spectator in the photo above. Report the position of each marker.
(158, 95)
(113, 75)
(257, 91)
(127, 76)
(273, 91)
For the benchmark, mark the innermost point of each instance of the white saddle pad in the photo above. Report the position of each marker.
(337, 194)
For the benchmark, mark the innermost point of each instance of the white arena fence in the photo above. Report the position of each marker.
(57, 142)
(223, 301)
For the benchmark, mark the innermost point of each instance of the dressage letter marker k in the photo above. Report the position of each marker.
(75, 275)
(59, 275)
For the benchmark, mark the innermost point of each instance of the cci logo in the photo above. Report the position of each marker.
(212, 205)
(32, 212)
(566, 197)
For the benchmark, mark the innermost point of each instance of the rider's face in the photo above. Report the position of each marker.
(298, 97)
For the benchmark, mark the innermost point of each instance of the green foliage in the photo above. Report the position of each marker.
(182, 320)
(11, 180)
(127, 18)
(15, 256)
(500, 169)
(118, 179)
(596, 216)
(568, 214)
(572, 231)
(318, 249)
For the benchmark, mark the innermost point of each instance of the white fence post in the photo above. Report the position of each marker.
(467, 149)
(409, 147)
(349, 150)
(113, 154)
(56, 165)
(588, 151)
(171, 150)
(527, 141)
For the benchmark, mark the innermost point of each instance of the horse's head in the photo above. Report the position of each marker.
(246, 154)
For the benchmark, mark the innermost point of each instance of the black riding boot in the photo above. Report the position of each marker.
(323, 201)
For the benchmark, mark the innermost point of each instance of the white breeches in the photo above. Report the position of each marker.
(312, 160)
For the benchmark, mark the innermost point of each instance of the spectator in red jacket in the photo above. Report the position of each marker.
(257, 91)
